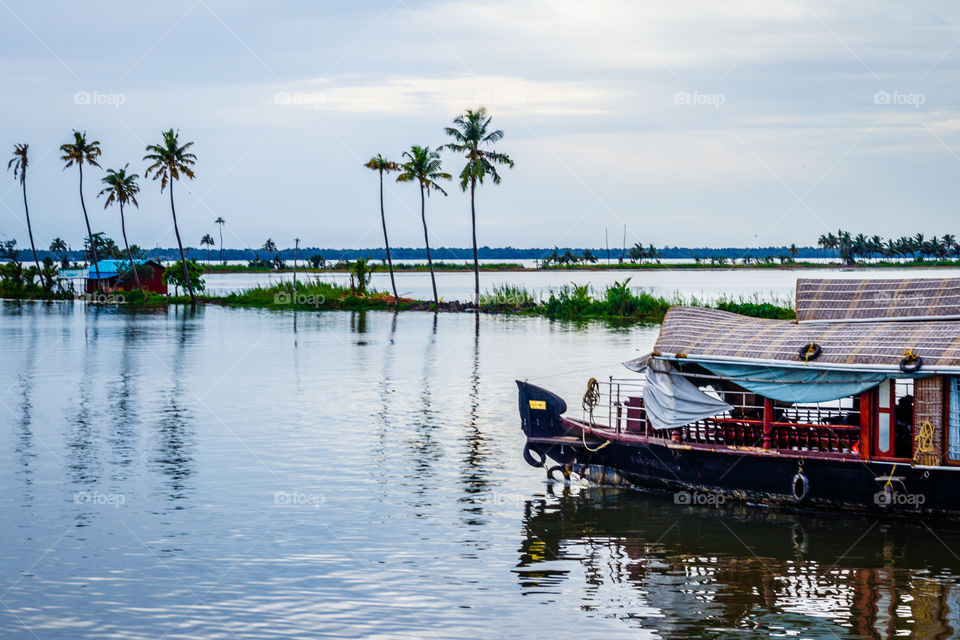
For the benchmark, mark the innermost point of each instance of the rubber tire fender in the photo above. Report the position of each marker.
(813, 349)
(564, 474)
(804, 487)
(528, 455)
(911, 366)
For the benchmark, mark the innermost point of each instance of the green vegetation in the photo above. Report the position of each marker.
(618, 302)
(174, 276)
(29, 283)
(312, 295)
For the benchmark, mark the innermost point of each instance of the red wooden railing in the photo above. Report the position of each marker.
(743, 432)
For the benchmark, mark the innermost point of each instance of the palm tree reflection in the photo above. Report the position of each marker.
(175, 448)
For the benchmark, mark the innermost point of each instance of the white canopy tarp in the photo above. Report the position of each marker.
(672, 401)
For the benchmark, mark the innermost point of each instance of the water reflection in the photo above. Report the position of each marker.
(474, 474)
(424, 449)
(701, 572)
(83, 460)
(358, 324)
(123, 410)
(176, 438)
(24, 447)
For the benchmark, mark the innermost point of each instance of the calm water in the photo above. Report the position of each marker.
(769, 284)
(231, 473)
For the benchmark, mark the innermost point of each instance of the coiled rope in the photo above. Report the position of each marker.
(591, 398)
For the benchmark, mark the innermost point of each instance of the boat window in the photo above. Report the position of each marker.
(954, 448)
(903, 418)
(883, 424)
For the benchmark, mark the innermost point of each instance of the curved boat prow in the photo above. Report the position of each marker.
(540, 411)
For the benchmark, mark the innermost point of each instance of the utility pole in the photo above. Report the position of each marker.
(296, 252)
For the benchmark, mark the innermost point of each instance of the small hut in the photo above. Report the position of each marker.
(116, 275)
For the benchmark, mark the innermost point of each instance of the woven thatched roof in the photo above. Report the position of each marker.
(692, 332)
(821, 300)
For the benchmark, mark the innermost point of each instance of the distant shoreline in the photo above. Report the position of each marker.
(519, 268)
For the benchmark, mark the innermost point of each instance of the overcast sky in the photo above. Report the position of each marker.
(693, 123)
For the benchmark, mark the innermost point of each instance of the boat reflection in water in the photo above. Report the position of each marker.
(724, 571)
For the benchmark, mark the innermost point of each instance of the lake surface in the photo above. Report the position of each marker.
(234, 473)
(706, 284)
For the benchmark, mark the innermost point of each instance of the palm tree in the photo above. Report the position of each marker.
(19, 165)
(950, 244)
(423, 165)
(122, 188)
(220, 221)
(208, 240)
(269, 246)
(470, 132)
(79, 152)
(170, 159)
(793, 251)
(381, 165)
(59, 246)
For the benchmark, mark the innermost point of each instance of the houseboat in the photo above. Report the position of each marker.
(853, 405)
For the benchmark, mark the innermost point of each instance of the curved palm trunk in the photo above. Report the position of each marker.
(86, 218)
(383, 220)
(426, 241)
(183, 259)
(33, 247)
(123, 230)
(221, 244)
(476, 262)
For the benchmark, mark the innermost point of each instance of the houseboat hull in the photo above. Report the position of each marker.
(709, 474)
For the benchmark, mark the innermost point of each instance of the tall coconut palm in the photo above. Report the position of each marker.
(269, 246)
(122, 188)
(381, 165)
(18, 163)
(169, 160)
(423, 165)
(208, 241)
(470, 132)
(79, 152)
(59, 246)
(220, 222)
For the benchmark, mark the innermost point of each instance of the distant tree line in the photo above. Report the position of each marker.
(849, 247)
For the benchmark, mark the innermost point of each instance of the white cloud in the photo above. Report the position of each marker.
(444, 95)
